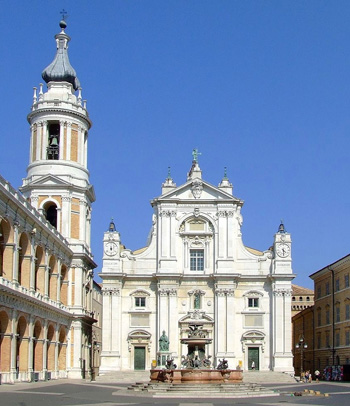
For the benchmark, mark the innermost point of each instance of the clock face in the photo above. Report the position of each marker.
(283, 250)
(111, 249)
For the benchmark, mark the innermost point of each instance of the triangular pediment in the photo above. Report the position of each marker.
(197, 190)
(50, 180)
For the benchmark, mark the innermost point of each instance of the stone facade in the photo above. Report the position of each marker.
(196, 272)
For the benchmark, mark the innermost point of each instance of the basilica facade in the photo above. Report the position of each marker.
(196, 287)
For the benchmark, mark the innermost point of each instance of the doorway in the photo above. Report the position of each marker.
(139, 358)
(253, 358)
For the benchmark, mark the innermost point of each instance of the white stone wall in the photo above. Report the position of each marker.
(199, 216)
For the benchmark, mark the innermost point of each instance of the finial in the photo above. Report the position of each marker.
(195, 154)
(111, 228)
(169, 173)
(64, 15)
(281, 228)
(225, 172)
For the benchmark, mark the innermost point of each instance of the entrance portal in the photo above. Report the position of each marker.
(139, 358)
(253, 358)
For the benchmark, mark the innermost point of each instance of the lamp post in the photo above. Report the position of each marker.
(303, 346)
(94, 346)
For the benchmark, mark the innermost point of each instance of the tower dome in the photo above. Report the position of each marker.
(60, 69)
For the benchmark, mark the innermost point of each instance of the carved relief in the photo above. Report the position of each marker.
(109, 291)
(167, 213)
(167, 292)
(197, 188)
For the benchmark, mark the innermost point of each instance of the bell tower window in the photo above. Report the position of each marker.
(51, 214)
(53, 141)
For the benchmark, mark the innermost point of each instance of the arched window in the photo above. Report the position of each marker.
(53, 141)
(51, 213)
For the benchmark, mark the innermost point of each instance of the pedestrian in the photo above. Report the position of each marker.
(306, 376)
(253, 365)
(317, 375)
(310, 377)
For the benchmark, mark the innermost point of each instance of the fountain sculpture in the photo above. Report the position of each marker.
(196, 365)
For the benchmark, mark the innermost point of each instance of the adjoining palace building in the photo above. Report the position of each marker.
(195, 272)
(332, 314)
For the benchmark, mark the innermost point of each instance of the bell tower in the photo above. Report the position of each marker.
(58, 186)
(57, 182)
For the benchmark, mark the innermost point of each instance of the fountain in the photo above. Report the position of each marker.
(196, 366)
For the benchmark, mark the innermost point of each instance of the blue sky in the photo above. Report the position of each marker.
(262, 87)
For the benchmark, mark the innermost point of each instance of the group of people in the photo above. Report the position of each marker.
(307, 376)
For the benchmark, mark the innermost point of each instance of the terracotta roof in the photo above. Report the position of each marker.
(254, 251)
(299, 290)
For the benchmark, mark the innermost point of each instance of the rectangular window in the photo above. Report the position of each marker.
(337, 285)
(196, 260)
(347, 337)
(140, 301)
(253, 302)
(337, 339)
(319, 318)
(327, 288)
(337, 314)
(347, 311)
(318, 291)
(327, 339)
(346, 280)
(319, 341)
(327, 316)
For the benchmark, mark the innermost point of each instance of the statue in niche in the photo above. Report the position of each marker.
(197, 301)
(163, 342)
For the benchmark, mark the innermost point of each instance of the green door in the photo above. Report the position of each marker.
(253, 358)
(140, 358)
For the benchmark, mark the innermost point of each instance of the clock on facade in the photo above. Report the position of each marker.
(111, 248)
(283, 250)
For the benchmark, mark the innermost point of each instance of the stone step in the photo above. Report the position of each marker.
(202, 394)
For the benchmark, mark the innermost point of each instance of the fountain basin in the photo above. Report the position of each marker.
(196, 375)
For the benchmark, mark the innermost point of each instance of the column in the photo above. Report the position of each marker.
(30, 348)
(231, 338)
(13, 363)
(62, 140)
(65, 215)
(59, 281)
(111, 329)
(45, 348)
(163, 312)
(15, 253)
(56, 368)
(82, 220)
(32, 265)
(44, 140)
(173, 330)
(46, 276)
(77, 364)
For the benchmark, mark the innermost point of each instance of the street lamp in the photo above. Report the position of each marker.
(303, 346)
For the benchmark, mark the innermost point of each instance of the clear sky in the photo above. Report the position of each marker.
(262, 87)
